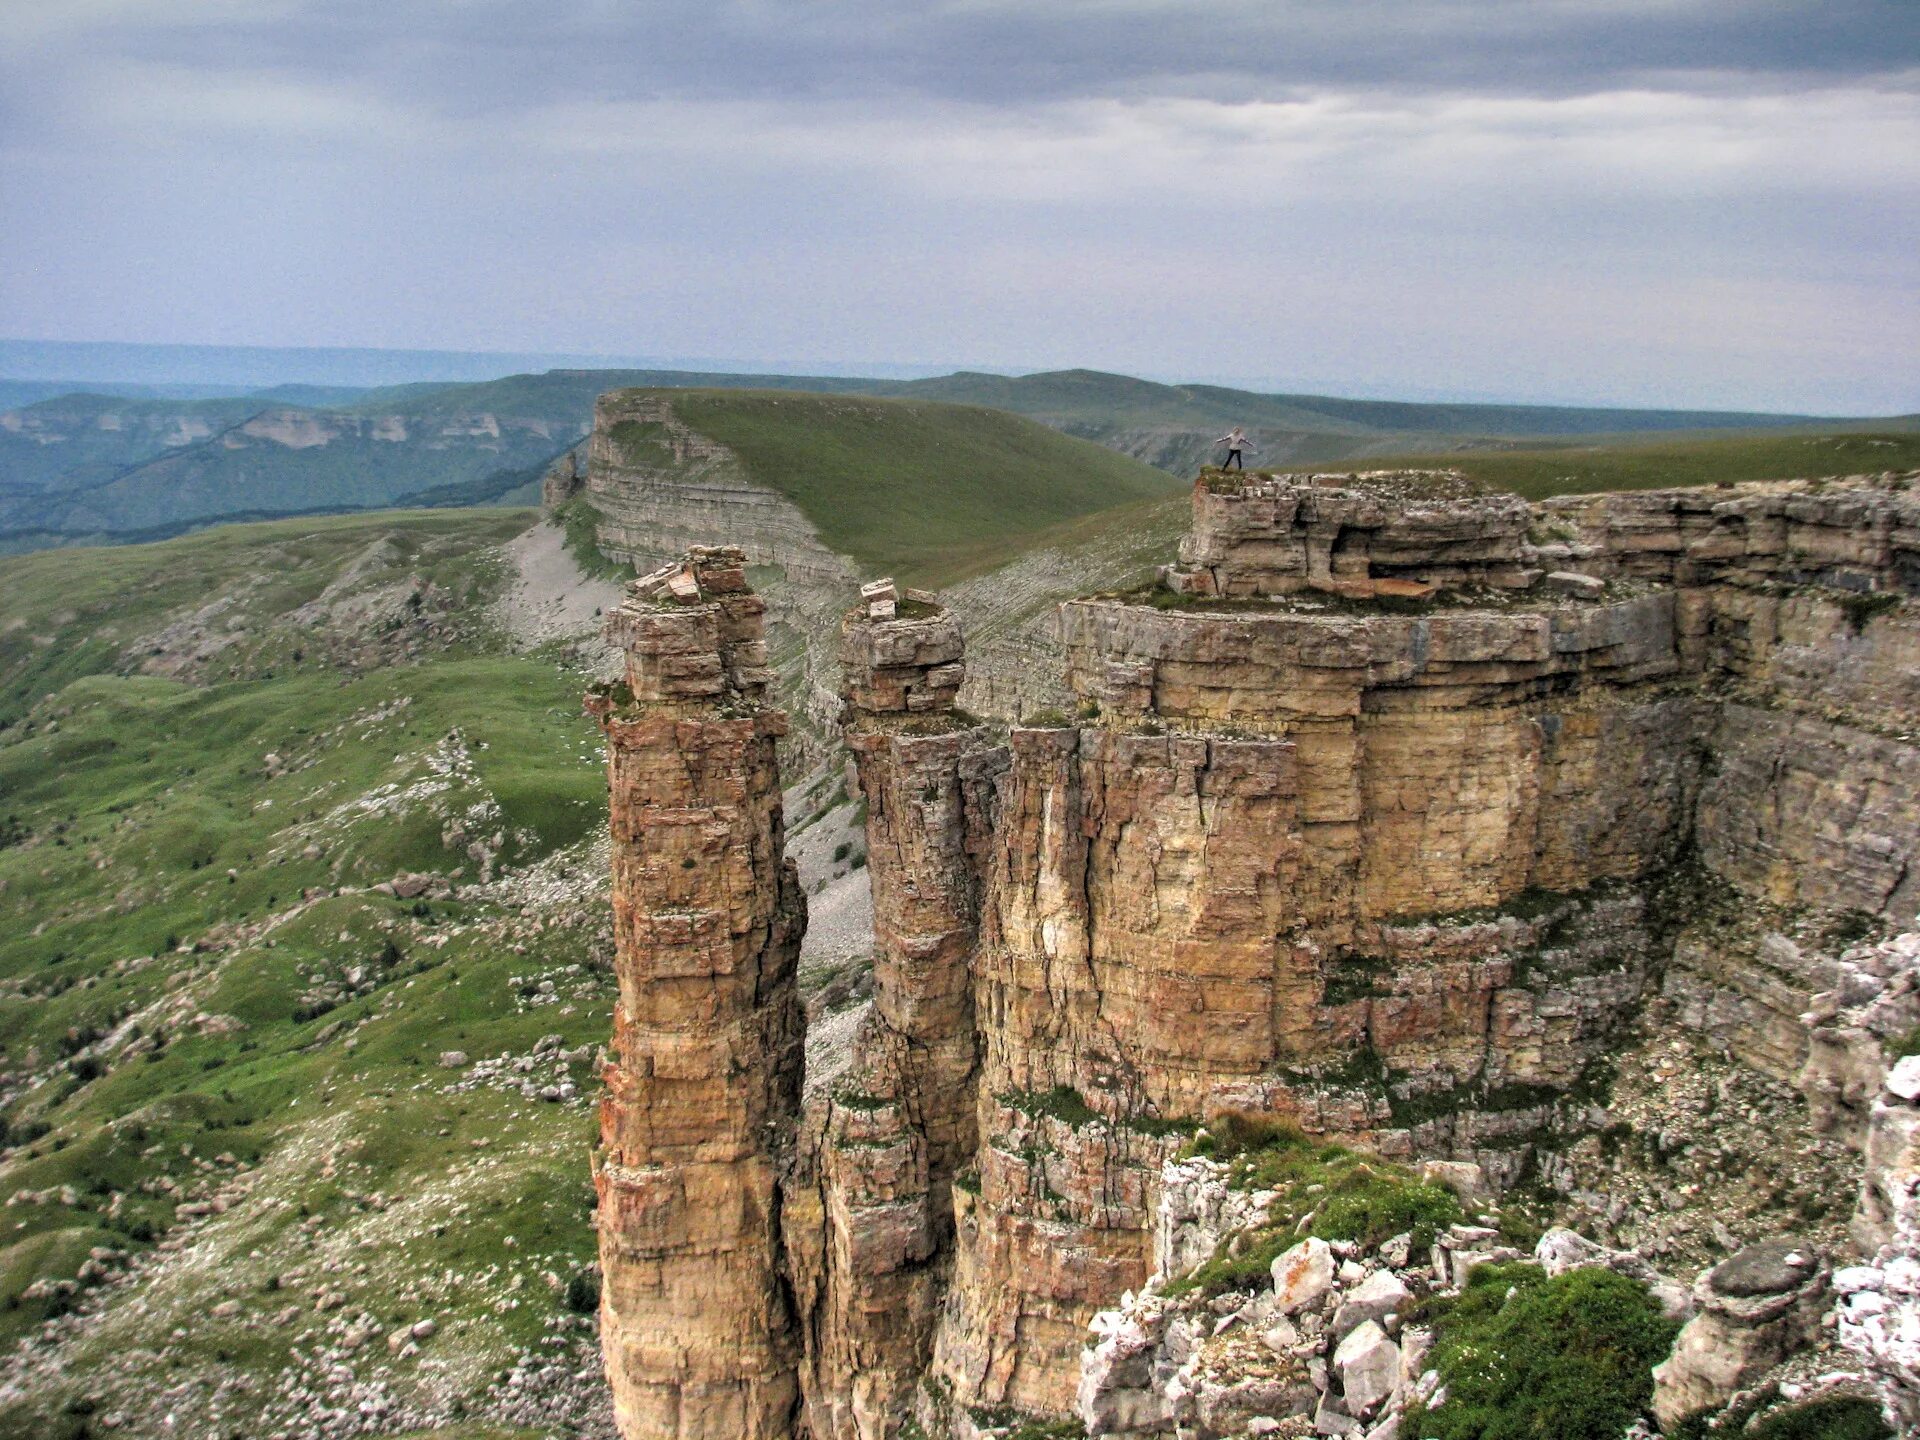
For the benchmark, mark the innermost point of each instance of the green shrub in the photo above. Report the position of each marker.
(1849, 1417)
(1234, 1133)
(1861, 610)
(1839, 1417)
(1371, 1207)
(1526, 1358)
(1063, 1102)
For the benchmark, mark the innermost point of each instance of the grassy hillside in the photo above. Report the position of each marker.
(929, 491)
(240, 1172)
(1085, 400)
(98, 467)
(1634, 464)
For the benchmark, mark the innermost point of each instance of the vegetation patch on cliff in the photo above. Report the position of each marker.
(1522, 1356)
(1322, 1189)
(581, 524)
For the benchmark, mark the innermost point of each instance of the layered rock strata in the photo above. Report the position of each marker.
(1402, 535)
(703, 1075)
(1398, 838)
(872, 1230)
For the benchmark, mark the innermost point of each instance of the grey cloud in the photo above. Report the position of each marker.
(1695, 201)
(497, 53)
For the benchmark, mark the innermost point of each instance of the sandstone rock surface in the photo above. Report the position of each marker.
(1367, 827)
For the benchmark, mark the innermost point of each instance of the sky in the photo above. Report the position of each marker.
(1648, 202)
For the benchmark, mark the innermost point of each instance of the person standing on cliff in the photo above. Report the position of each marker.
(1236, 441)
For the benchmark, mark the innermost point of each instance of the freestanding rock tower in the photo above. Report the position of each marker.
(703, 1084)
(872, 1214)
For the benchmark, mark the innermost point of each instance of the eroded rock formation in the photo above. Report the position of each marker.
(873, 1235)
(703, 1079)
(1394, 813)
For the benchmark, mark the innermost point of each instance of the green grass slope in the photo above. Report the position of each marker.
(1095, 397)
(927, 491)
(239, 1173)
(1631, 463)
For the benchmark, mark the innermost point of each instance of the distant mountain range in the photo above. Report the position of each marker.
(92, 467)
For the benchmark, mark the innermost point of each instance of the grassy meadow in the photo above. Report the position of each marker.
(221, 1042)
(926, 491)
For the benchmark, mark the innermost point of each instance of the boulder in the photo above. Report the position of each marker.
(1369, 1366)
(1378, 1296)
(1466, 1180)
(1755, 1308)
(1303, 1275)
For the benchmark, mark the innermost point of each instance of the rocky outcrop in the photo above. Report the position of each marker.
(1755, 1308)
(561, 480)
(703, 1075)
(1879, 1309)
(1858, 1029)
(1397, 838)
(872, 1229)
(1331, 1344)
(1402, 535)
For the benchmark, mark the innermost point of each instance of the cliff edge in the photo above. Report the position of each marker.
(1413, 817)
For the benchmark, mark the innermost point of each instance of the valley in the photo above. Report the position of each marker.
(312, 968)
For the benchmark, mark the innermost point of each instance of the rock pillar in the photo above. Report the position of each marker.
(702, 1084)
(923, 776)
(896, 1128)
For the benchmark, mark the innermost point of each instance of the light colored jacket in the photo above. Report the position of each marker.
(1236, 440)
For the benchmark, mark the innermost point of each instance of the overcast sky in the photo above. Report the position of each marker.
(1690, 202)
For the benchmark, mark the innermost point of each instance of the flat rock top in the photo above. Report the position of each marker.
(1772, 1267)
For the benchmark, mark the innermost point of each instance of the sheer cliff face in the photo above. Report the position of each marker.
(1401, 843)
(703, 1079)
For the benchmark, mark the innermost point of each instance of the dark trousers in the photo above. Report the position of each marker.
(1233, 461)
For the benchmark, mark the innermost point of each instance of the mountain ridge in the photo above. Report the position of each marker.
(156, 466)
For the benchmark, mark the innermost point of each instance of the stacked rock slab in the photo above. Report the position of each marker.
(703, 1077)
(872, 1229)
(1386, 533)
(1753, 1309)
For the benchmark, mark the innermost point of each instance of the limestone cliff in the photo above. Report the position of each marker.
(1404, 812)
(872, 1231)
